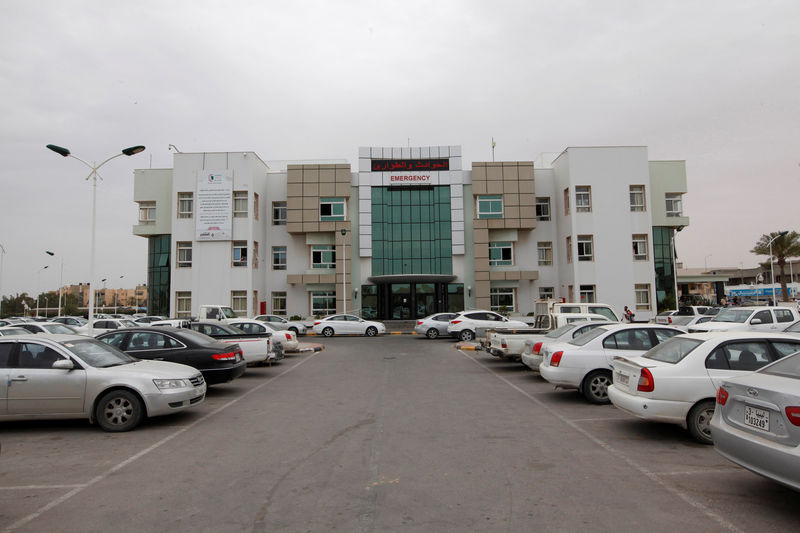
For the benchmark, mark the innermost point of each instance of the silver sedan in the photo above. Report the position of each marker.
(434, 326)
(73, 376)
(757, 421)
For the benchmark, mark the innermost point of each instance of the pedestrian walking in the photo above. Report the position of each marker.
(628, 314)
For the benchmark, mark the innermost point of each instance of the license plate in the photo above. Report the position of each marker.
(620, 378)
(757, 418)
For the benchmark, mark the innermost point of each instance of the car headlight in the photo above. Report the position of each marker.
(171, 383)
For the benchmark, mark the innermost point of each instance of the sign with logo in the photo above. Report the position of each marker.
(214, 205)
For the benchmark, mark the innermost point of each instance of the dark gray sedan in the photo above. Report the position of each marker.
(756, 422)
(435, 325)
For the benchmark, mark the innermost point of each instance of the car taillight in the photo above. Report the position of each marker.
(228, 356)
(317, 323)
(646, 383)
(455, 321)
(722, 396)
(537, 347)
(419, 322)
(793, 414)
(504, 344)
(556, 359)
(669, 320)
(288, 336)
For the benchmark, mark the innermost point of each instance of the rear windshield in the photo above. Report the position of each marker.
(794, 327)
(788, 367)
(605, 311)
(560, 331)
(588, 336)
(733, 315)
(672, 350)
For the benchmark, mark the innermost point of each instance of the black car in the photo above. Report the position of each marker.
(217, 361)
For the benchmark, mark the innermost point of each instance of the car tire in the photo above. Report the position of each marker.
(466, 335)
(595, 386)
(699, 421)
(371, 331)
(119, 410)
(328, 332)
(432, 333)
(296, 332)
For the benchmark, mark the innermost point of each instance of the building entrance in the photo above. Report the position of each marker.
(410, 301)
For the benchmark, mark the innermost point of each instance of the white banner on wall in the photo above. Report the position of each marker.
(214, 205)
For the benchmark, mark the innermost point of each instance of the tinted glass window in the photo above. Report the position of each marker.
(787, 367)
(603, 311)
(5, 354)
(673, 350)
(114, 339)
(785, 348)
(560, 331)
(745, 356)
(764, 316)
(588, 336)
(36, 356)
(631, 339)
(783, 315)
(664, 334)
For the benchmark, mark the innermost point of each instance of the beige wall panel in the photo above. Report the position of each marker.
(311, 202)
(512, 275)
(327, 278)
(327, 226)
(530, 199)
(478, 187)
(295, 215)
(510, 211)
(482, 288)
(496, 223)
(310, 278)
(527, 211)
(528, 223)
(497, 275)
(343, 189)
(513, 223)
(481, 235)
(310, 215)
(293, 279)
(529, 274)
(526, 187)
(510, 172)
(295, 202)
(294, 175)
(481, 251)
(510, 186)
(294, 189)
(327, 175)
(327, 189)
(510, 199)
(343, 174)
(494, 187)
(294, 227)
(494, 172)
(478, 172)
(481, 263)
(310, 226)
(483, 303)
(480, 223)
(311, 189)
(481, 276)
(311, 174)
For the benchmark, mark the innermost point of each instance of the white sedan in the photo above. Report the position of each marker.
(676, 382)
(347, 325)
(532, 354)
(298, 327)
(585, 362)
(74, 376)
(286, 337)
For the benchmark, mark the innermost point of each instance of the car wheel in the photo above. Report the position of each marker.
(595, 386)
(371, 331)
(296, 332)
(119, 410)
(699, 421)
(466, 335)
(328, 332)
(432, 333)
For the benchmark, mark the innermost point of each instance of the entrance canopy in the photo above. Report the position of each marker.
(411, 278)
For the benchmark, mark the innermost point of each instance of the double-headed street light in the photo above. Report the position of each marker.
(133, 150)
(772, 262)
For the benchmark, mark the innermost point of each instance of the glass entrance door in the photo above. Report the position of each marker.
(400, 301)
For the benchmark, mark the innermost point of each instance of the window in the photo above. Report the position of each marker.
(542, 208)
(255, 205)
(255, 254)
(183, 304)
(490, 206)
(566, 201)
(673, 204)
(583, 198)
(501, 253)
(569, 249)
(239, 253)
(637, 198)
(239, 302)
(783, 315)
(585, 248)
(184, 253)
(630, 339)
(545, 251)
(279, 303)
(588, 294)
(744, 355)
(764, 316)
(640, 247)
(642, 291)
(502, 299)
(240, 204)
(185, 204)
(323, 303)
(323, 256)
(547, 293)
(278, 258)
(331, 209)
(147, 212)
(278, 213)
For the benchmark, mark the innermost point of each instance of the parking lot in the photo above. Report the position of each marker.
(395, 433)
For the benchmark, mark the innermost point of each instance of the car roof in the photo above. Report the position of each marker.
(729, 335)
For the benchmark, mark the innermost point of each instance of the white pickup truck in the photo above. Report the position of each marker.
(220, 313)
(509, 344)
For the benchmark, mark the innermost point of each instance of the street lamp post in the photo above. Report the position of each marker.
(2, 255)
(39, 288)
(115, 297)
(60, 279)
(133, 150)
(344, 271)
(772, 262)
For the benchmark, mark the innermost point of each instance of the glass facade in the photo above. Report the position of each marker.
(158, 251)
(411, 231)
(665, 273)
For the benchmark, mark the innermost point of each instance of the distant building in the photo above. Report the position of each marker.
(410, 232)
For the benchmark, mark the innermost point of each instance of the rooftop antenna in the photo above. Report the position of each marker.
(173, 147)
(493, 145)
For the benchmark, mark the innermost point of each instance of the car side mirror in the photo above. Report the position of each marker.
(756, 321)
(64, 364)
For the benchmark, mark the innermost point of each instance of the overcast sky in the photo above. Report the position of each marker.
(715, 83)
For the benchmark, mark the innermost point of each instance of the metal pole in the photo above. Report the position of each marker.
(772, 271)
(344, 271)
(2, 255)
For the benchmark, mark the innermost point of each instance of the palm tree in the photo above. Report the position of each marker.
(784, 245)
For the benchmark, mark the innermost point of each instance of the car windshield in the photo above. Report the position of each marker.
(788, 367)
(738, 316)
(560, 331)
(196, 336)
(14, 331)
(672, 350)
(59, 328)
(98, 354)
(588, 336)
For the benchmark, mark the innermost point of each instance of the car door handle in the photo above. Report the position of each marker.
(18, 378)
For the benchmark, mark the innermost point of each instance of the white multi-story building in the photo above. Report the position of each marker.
(411, 232)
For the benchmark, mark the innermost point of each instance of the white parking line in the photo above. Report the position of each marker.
(43, 487)
(607, 447)
(603, 419)
(119, 466)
